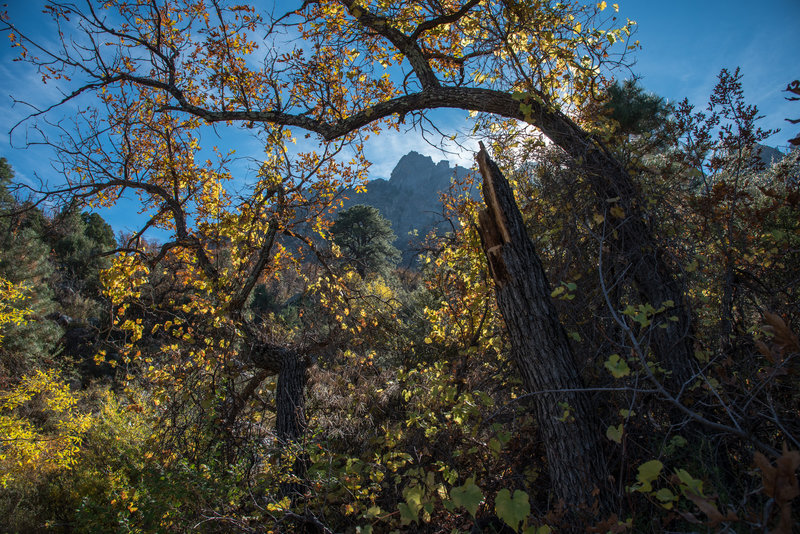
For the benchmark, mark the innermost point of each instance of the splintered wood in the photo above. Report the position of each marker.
(492, 225)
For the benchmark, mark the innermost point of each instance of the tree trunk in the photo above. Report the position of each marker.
(566, 419)
(632, 241)
(290, 366)
(290, 422)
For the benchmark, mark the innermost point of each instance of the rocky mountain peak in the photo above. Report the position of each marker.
(410, 198)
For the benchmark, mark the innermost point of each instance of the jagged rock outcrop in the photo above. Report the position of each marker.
(410, 199)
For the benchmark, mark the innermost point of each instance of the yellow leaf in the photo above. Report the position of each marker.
(601, 6)
(617, 212)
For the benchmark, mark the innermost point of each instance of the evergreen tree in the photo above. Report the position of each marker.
(365, 238)
(24, 261)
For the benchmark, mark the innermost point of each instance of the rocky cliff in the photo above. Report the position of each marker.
(410, 198)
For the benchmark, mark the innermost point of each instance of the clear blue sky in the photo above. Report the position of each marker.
(685, 43)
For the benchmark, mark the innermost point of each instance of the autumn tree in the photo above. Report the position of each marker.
(159, 72)
(532, 63)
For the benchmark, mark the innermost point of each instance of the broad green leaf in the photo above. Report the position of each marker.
(678, 441)
(406, 514)
(372, 512)
(648, 472)
(469, 496)
(614, 433)
(413, 496)
(617, 366)
(666, 497)
(690, 483)
(665, 494)
(513, 510)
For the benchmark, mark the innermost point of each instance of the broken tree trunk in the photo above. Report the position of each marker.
(566, 419)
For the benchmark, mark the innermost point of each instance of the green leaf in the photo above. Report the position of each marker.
(690, 483)
(557, 291)
(513, 510)
(406, 514)
(666, 497)
(614, 433)
(665, 494)
(648, 472)
(410, 509)
(678, 441)
(469, 496)
(617, 366)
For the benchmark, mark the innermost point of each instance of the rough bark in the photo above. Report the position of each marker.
(540, 348)
(290, 422)
(291, 366)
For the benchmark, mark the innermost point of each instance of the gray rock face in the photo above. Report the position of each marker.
(410, 198)
(769, 155)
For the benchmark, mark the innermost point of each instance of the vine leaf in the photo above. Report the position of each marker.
(469, 496)
(512, 509)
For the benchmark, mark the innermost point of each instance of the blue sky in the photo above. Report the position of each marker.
(684, 45)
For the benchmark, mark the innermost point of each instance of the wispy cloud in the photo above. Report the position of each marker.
(385, 150)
